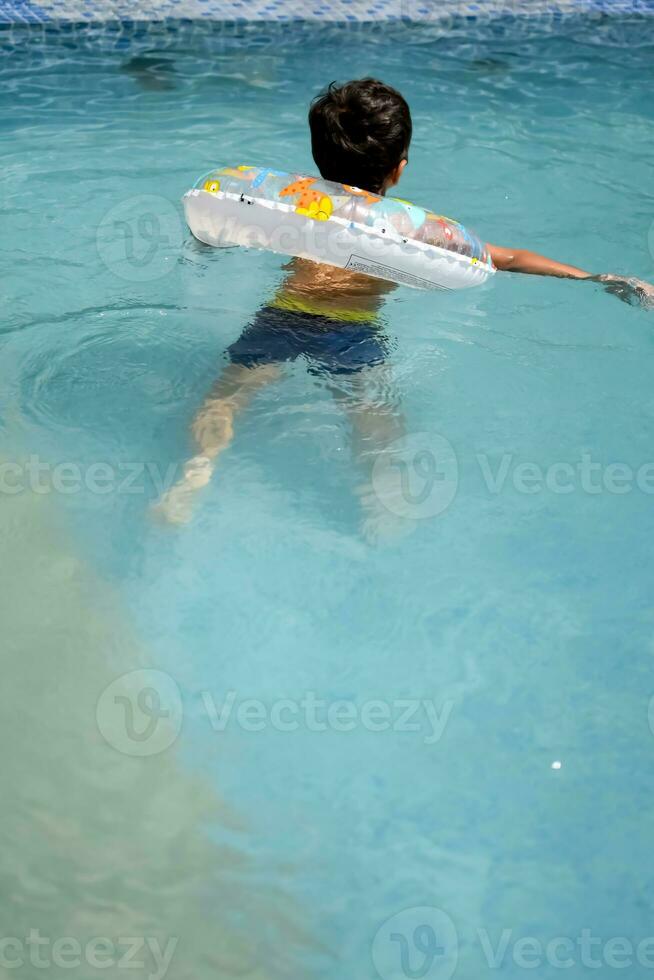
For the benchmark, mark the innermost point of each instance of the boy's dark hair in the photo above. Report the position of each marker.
(360, 131)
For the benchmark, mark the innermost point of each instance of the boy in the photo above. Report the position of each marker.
(360, 135)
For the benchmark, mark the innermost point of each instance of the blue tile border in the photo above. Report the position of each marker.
(22, 12)
(340, 11)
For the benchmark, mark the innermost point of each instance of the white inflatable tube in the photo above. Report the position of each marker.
(333, 223)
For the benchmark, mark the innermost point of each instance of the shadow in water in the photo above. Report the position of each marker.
(96, 842)
(153, 71)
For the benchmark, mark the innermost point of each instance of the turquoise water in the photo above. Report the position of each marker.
(487, 572)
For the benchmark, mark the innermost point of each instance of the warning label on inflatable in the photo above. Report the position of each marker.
(356, 263)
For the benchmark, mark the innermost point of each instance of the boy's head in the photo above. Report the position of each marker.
(360, 134)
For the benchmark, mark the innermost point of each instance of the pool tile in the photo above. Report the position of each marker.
(43, 11)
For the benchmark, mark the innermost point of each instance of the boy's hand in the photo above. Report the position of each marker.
(628, 289)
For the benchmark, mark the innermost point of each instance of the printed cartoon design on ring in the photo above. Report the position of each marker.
(310, 202)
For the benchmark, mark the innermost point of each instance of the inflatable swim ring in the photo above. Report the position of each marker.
(317, 219)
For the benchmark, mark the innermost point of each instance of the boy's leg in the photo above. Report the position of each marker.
(213, 431)
(256, 359)
(375, 416)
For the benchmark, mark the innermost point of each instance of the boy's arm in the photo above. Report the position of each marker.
(520, 260)
(626, 288)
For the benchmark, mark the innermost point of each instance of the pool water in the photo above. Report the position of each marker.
(425, 591)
